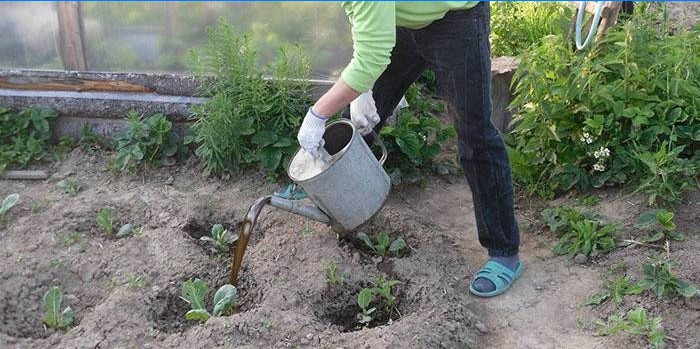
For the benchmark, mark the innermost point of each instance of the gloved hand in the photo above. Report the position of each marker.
(310, 134)
(363, 113)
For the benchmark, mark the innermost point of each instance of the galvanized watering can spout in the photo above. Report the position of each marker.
(296, 207)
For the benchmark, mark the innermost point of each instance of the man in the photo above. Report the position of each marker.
(392, 44)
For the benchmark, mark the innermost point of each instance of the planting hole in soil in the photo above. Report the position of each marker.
(337, 305)
(167, 310)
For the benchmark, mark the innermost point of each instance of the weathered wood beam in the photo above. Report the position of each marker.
(70, 30)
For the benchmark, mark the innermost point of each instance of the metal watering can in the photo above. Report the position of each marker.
(346, 195)
(349, 192)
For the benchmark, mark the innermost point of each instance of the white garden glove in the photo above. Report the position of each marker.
(363, 113)
(310, 134)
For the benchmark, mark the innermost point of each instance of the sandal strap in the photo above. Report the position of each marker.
(497, 273)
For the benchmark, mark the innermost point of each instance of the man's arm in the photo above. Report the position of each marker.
(373, 36)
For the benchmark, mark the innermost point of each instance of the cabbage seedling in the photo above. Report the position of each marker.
(54, 317)
(7, 204)
(383, 244)
(193, 292)
(220, 237)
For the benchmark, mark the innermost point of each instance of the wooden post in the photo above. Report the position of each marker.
(70, 30)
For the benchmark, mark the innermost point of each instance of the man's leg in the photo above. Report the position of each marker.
(457, 49)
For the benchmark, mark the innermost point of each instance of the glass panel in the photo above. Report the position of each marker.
(29, 35)
(156, 36)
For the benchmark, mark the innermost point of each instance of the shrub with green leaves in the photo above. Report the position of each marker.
(383, 243)
(659, 279)
(248, 119)
(381, 295)
(659, 225)
(24, 136)
(515, 26)
(221, 238)
(414, 142)
(626, 110)
(194, 292)
(636, 322)
(147, 141)
(54, 317)
(7, 203)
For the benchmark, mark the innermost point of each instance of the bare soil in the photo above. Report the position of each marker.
(285, 301)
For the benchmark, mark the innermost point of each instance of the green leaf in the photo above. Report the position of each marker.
(264, 138)
(397, 245)
(364, 237)
(646, 220)
(9, 202)
(104, 220)
(270, 157)
(217, 230)
(382, 243)
(66, 317)
(686, 289)
(365, 297)
(125, 230)
(52, 304)
(596, 299)
(198, 315)
(193, 292)
(224, 299)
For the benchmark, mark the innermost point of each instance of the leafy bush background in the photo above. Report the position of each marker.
(515, 26)
(24, 136)
(248, 120)
(636, 93)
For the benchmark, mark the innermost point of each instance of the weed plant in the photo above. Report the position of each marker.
(659, 225)
(414, 142)
(333, 277)
(660, 280)
(515, 26)
(69, 186)
(635, 322)
(579, 232)
(627, 110)
(147, 141)
(616, 286)
(249, 119)
(24, 136)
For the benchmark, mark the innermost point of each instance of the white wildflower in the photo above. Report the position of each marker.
(586, 138)
(598, 167)
(601, 153)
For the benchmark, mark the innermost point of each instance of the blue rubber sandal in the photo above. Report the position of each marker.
(290, 192)
(497, 273)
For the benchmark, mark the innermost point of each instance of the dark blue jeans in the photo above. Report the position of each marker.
(457, 49)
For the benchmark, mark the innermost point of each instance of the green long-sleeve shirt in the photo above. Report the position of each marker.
(374, 33)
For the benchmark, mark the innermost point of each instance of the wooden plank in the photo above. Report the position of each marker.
(70, 30)
(23, 174)
(70, 84)
(609, 18)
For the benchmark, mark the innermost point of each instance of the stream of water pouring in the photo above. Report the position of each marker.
(244, 235)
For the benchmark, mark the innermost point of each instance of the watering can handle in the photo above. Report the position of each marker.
(382, 146)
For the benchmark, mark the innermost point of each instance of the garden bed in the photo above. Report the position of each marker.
(126, 292)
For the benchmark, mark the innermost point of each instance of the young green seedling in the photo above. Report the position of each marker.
(635, 322)
(104, 220)
(69, 186)
(221, 238)
(382, 288)
(333, 277)
(54, 317)
(7, 204)
(195, 290)
(383, 244)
